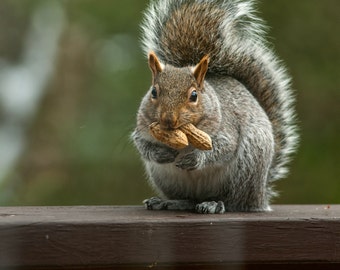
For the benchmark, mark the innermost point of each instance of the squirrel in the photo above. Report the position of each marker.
(212, 67)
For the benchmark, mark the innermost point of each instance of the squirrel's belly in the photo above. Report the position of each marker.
(174, 183)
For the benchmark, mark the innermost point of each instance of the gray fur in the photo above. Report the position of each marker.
(245, 106)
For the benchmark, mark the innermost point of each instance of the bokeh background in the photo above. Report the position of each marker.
(72, 75)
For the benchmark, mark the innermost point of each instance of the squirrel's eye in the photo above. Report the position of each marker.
(193, 96)
(154, 92)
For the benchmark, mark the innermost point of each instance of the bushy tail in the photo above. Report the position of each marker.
(181, 32)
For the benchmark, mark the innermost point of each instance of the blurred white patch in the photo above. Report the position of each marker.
(22, 86)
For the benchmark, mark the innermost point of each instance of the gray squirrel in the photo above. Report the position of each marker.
(211, 67)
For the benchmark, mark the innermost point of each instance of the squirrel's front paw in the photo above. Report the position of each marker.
(163, 154)
(191, 161)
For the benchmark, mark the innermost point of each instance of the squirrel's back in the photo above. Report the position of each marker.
(181, 32)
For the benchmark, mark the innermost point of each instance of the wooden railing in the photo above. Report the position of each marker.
(130, 237)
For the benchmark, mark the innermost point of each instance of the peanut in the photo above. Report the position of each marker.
(197, 137)
(173, 138)
(180, 138)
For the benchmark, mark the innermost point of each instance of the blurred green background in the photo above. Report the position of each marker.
(72, 75)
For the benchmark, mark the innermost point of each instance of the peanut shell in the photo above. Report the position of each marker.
(173, 138)
(197, 137)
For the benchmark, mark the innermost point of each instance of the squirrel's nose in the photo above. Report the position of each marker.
(168, 120)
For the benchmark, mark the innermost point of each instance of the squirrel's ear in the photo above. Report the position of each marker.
(200, 70)
(154, 64)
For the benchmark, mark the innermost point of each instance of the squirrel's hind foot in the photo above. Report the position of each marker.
(155, 203)
(211, 207)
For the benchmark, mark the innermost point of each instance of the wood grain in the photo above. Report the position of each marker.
(113, 237)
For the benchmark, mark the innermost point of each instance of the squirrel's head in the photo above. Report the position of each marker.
(176, 93)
